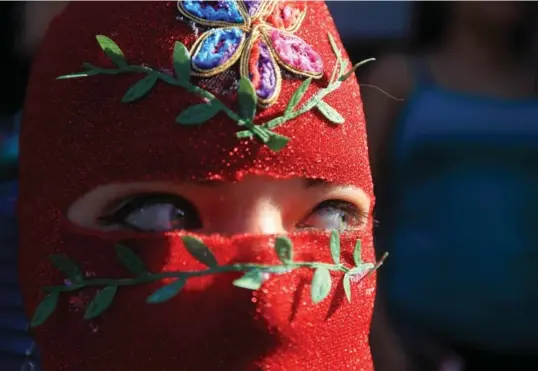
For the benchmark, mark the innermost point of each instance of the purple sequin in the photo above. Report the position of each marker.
(266, 67)
(276, 52)
(252, 6)
(296, 53)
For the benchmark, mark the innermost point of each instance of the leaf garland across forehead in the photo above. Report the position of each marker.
(199, 114)
(254, 275)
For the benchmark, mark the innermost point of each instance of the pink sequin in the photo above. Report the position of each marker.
(296, 53)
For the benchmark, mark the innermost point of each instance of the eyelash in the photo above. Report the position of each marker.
(349, 208)
(127, 206)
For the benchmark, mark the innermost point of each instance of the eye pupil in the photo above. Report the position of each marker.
(177, 219)
(161, 213)
(334, 214)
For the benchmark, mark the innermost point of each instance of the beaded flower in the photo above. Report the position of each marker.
(259, 33)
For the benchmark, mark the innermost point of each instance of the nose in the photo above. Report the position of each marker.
(262, 217)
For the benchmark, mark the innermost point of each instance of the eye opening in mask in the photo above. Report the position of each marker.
(338, 214)
(138, 209)
(164, 212)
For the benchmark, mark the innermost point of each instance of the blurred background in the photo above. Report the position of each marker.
(452, 111)
(370, 28)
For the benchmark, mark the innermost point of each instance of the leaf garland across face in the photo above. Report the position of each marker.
(199, 114)
(252, 278)
(321, 285)
(101, 302)
(130, 260)
(167, 292)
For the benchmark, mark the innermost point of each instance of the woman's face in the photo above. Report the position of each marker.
(257, 204)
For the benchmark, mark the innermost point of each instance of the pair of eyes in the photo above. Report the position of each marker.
(165, 212)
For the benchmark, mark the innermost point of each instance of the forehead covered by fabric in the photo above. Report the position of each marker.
(143, 108)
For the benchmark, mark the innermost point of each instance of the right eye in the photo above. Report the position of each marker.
(154, 213)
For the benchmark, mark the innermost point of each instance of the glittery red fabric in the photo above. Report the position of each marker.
(210, 325)
(77, 134)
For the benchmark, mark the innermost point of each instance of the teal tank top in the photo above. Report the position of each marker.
(460, 218)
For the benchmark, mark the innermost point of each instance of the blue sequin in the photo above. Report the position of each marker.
(219, 45)
(222, 10)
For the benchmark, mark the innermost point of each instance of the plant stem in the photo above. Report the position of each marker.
(146, 278)
(311, 103)
(184, 84)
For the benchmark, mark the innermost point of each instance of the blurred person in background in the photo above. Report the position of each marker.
(456, 168)
(22, 25)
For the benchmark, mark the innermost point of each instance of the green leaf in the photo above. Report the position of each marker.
(78, 75)
(112, 50)
(182, 62)
(284, 249)
(340, 59)
(251, 280)
(335, 48)
(199, 251)
(247, 99)
(352, 70)
(297, 96)
(279, 269)
(100, 302)
(338, 54)
(243, 134)
(276, 122)
(198, 114)
(45, 308)
(140, 89)
(130, 260)
(167, 292)
(321, 285)
(361, 269)
(343, 64)
(330, 113)
(260, 132)
(357, 258)
(277, 142)
(347, 286)
(66, 266)
(335, 246)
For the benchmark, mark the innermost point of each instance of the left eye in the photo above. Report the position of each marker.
(334, 214)
(155, 213)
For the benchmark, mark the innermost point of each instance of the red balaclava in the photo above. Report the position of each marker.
(192, 91)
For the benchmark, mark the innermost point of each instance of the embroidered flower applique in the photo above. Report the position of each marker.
(258, 33)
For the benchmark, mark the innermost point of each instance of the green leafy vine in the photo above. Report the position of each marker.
(200, 113)
(252, 279)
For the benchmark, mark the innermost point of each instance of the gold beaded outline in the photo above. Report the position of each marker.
(245, 25)
(219, 69)
(291, 29)
(264, 32)
(265, 8)
(249, 37)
